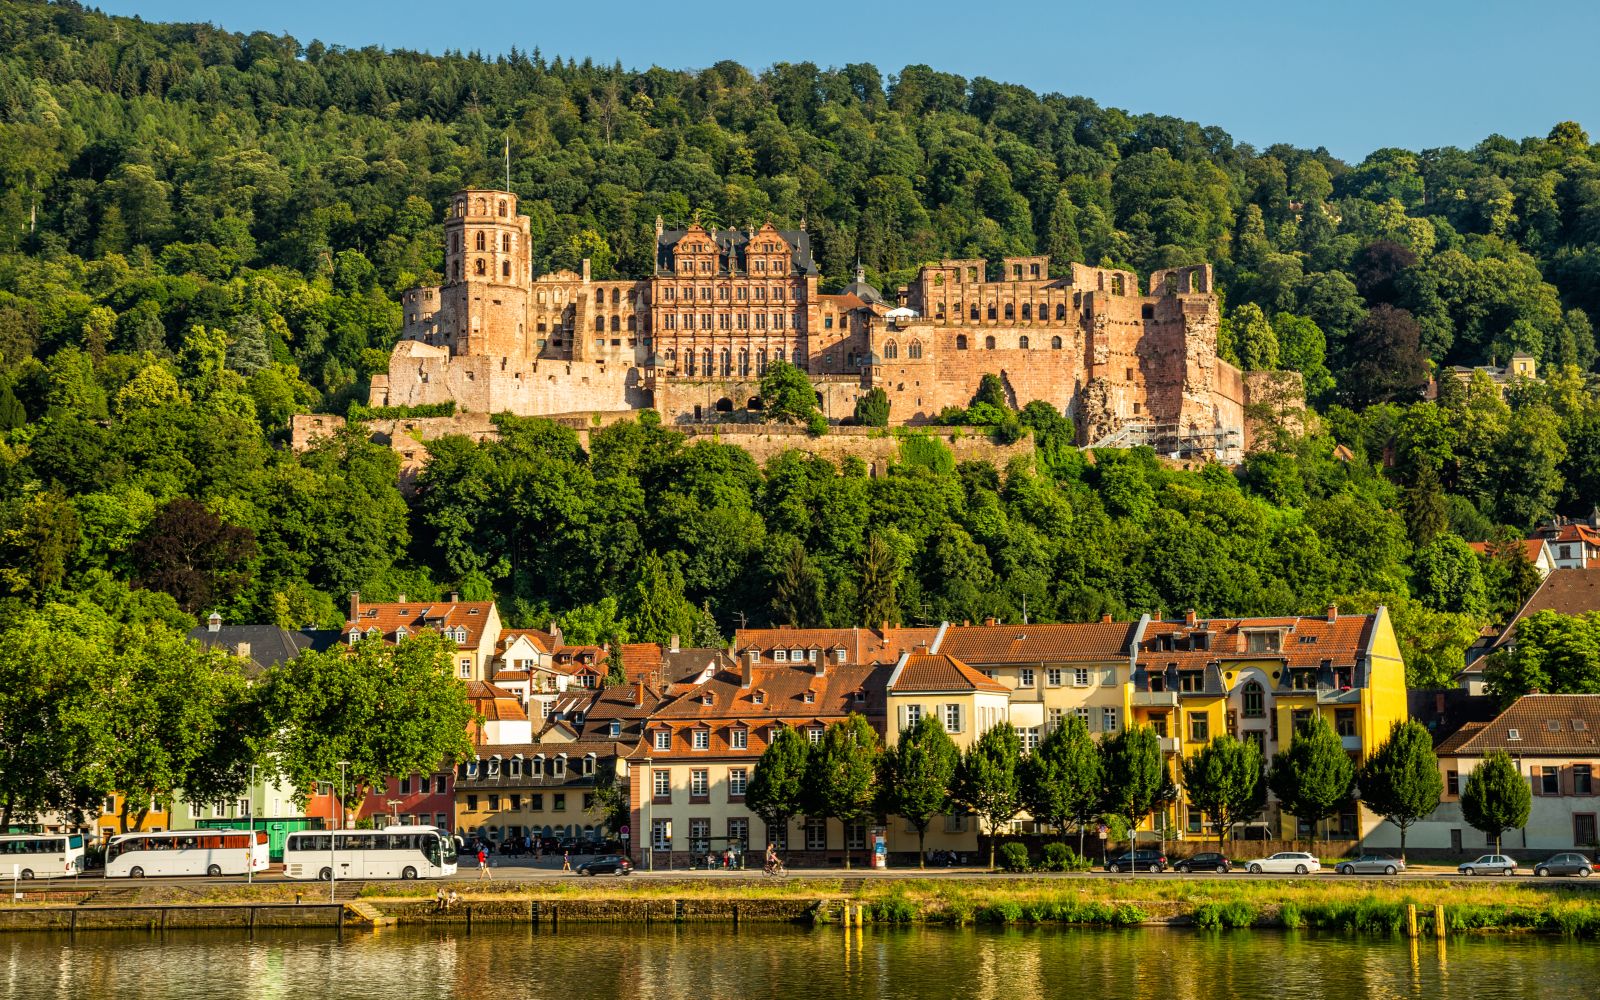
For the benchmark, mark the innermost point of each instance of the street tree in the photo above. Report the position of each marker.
(915, 776)
(1061, 780)
(841, 773)
(1496, 797)
(775, 789)
(381, 708)
(1226, 782)
(1133, 774)
(986, 780)
(1313, 776)
(1400, 780)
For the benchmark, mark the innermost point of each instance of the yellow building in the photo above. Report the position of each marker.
(1258, 679)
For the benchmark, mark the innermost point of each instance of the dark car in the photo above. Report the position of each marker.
(1145, 861)
(607, 864)
(1208, 861)
(1565, 864)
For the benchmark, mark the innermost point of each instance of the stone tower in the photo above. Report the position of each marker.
(487, 274)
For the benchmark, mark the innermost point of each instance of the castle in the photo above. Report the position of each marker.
(693, 339)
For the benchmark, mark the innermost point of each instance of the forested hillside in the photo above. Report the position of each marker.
(202, 233)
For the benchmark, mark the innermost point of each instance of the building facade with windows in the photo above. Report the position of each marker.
(692, 339)
(1552, 739)
(473, 626)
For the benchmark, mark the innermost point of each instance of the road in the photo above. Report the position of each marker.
(521, 871)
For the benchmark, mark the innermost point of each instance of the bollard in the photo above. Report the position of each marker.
(1411, 920)
(297, 897)
(1438, 921)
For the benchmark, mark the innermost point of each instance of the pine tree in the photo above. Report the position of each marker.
(797, 591)
(916, 775)
(1497, 797)
(1061, 238)
(1427, 515)
(1061, 780)
(1225, 780)
(1313, 776)
(879, 576)
(986, 781)
(247, 346)
(1400, 781)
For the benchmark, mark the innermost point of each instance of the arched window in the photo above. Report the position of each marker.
(1011, 311)
(502, 207)
(961, 341)
(479, 267)
(481, 207)
(891, 350)
(727, 364)
(1061, 310)
(724, 405)
(761, 361)
(616, 296)
(975, 310)
(1022, 342)
(461, 207)
(779, 355)
(478, 242)
(599, 324)
(688, 358)
(599, 296)
(988, 343)
(914, 352)
(744, 361)
(455, 242)
(505, 242)
(1254, 699)
(705, 358)
(1027, 310)
(616, 324)
(1055, 343)
(505, 269)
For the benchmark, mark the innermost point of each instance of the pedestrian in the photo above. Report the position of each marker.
(566, 861)
(454, 899)
(483, 864)
(439, 900)
(727, 859)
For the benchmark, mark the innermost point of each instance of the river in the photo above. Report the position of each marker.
(773, 963)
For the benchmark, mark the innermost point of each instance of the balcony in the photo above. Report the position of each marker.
(1170, 744)
(1155, 699)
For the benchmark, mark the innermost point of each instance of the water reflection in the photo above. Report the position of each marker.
(702, 962)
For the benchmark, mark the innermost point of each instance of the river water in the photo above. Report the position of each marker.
(776, 963)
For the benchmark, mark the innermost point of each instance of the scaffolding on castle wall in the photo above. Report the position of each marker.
(1169, 439)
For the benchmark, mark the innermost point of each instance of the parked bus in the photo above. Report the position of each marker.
(186, 852)
(393, 852)
(41, 855)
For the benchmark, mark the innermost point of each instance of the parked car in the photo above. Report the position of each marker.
(1370, 864)
(1208, 861)
(1489, 864)
(606, 864)
(1145, 861)
(1565, 864)
(1285, 863)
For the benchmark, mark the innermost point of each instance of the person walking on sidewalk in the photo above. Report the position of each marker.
(566, 861)
(483, 864)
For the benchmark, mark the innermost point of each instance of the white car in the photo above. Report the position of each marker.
(1285, 863)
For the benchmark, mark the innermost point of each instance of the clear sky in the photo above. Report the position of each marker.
(1351, 75)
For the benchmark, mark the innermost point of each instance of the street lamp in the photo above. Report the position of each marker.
(333, 844)
(250, 800)
(394, 809)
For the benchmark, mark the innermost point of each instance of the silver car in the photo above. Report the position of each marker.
(1370, 864)
(1489, 864)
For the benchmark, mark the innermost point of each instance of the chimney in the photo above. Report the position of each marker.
(747, 672)
(214, 622)
(400, 597)
(638, 694)
(991, 621)
(1189, 617)
(1105, 619)
(455, 597)
(242, 649)
(673, 645)
(820, 666)
(355, 605)
(883, 627)
(1333, 612)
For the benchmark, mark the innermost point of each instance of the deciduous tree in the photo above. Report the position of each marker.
(1496, 797)
(1400, 780)
(916, 775)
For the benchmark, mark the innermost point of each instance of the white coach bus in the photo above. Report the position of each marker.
(187, 852)
(41, 855)
(393, 852)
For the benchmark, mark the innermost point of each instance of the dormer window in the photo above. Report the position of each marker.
(757, 698)
(494, 766)
(707, 699)
(355, 636)
(472, 768)
(615, 728)
(373, 633)
(781, 655)
(399, 633)
(810, 697)
(813, 654)
(838, 655)
(1263, 642)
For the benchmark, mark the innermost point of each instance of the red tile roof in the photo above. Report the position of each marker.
(1532, 547)
(543, 641)
(940, 672)
(782, 690)
(861, 645)
(418, 616)
(1544, 724)
(1306, 640)
(995, 644)
(640, 660)
(495, 704)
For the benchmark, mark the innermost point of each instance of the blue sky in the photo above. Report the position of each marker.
(1352, 75)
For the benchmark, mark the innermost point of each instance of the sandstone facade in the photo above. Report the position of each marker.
(693, 339)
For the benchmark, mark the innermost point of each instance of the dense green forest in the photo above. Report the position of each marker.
(203, 233)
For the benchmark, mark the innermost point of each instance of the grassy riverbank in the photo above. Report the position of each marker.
(1364, 907)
